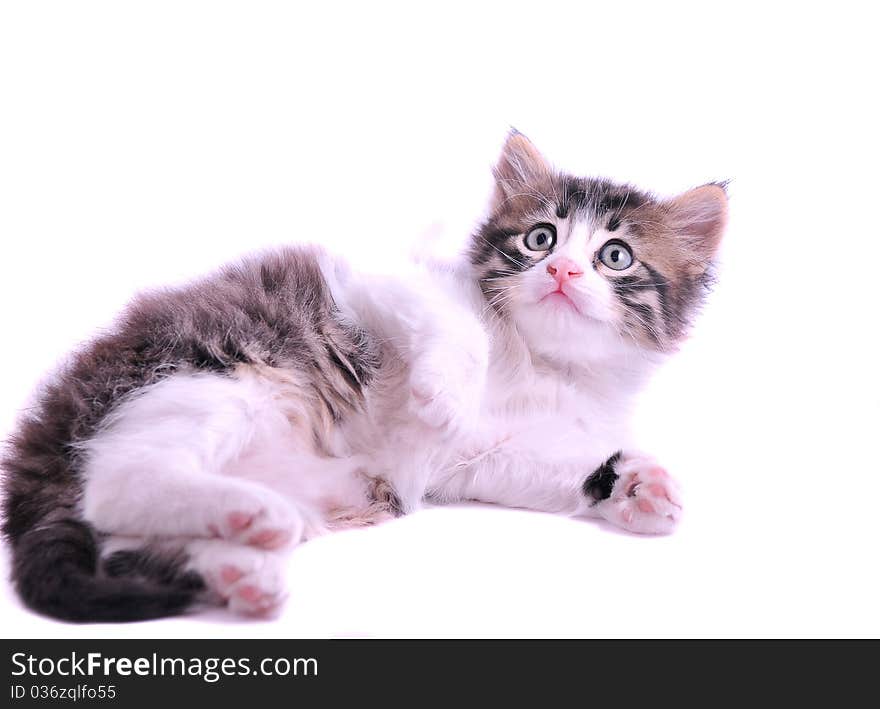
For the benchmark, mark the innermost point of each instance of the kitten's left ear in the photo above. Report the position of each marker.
(520, 169)
(700, 215)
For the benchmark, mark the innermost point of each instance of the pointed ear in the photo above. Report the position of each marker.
(700, 216)
(520, 167)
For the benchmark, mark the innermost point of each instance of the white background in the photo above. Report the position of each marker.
(143, 143)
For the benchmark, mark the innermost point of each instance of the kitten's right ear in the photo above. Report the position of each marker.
(520, 169)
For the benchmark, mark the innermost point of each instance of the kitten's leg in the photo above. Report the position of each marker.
(630, 491)
(155, 469)
(448, 356)
(172, 502)
(514, 480)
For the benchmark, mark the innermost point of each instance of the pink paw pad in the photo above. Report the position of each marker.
(269, 538)
(658, 490)
(665, 492)
(230, 574)
(645, 506)
(259, 602)
(239, 520)
(250, 593)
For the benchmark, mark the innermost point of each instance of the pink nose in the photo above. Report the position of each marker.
(564, 269)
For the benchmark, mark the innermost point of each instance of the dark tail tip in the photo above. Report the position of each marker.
(56, 572)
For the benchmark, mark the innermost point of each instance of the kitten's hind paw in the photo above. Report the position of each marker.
(259, 593)
(248, 581)
(644, 498)
(258, 518)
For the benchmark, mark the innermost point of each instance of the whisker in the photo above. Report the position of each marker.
(507, 256)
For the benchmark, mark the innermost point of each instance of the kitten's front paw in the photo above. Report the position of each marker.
(446, 388)
(644, 498)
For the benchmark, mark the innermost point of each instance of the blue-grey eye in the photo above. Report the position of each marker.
(616, 255)
(541, 237)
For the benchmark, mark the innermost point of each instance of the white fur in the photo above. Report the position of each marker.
(467, 407)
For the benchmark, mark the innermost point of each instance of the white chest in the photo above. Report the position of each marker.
(548, 418)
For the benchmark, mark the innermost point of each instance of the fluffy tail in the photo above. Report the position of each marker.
(58, 572)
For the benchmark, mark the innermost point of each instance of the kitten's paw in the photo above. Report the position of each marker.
(644, 499)
(249, 581)
(446, 388)
(258, 518)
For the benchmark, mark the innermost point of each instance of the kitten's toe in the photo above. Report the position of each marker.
(644, 499)
(260, 593)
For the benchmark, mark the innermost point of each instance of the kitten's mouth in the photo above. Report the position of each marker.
(558, 298)
(561, 300)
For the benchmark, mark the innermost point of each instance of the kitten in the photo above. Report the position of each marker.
(173, 461)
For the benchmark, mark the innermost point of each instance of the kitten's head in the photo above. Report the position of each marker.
(584, 265)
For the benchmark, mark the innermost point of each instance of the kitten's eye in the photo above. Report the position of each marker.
(616, 255)
(541, 237)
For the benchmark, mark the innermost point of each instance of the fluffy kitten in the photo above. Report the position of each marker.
(173, 460)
